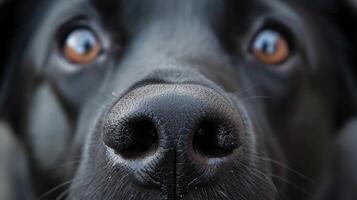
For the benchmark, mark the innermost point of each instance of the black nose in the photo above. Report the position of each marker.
(173, 134)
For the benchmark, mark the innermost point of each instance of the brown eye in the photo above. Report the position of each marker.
(270, 47)
(81, 46)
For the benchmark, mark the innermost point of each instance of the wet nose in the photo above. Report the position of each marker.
(173, 134)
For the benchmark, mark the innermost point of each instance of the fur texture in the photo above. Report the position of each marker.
(168, 56)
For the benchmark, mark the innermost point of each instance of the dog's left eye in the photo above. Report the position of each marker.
(81, 46)
(270, 47)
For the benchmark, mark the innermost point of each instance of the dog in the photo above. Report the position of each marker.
(165, 99)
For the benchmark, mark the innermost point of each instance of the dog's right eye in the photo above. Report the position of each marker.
(81, 46)
(270, 47)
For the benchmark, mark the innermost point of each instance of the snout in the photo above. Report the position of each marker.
(173, 136)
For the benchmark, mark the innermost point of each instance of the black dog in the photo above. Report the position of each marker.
(185, 99)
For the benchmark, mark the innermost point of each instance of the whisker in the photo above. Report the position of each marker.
(64, 184)
(267, 185)
(255, 97)
(288, 182)
(301, 189)
(267, 180)
(54, 189)
(64, 164)
(247, 89)
(63, 194)
(285, 166)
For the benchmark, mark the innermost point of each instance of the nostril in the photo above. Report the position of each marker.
(145, 139)
(214, 139)
(136, 139)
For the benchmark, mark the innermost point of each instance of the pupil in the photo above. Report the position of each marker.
(87, 46)
(268, 47)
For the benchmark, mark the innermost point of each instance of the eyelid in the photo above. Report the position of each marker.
(75, 23)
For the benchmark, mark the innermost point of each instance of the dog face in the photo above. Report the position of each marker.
(178, 99)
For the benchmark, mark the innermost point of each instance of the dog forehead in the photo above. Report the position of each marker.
(172, 8)
(134, 14)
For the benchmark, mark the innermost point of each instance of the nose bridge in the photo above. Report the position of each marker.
(160, 45)
(173, 57)
(169, 55)
(173, 31)
(173, 35)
